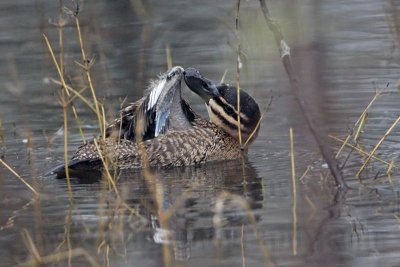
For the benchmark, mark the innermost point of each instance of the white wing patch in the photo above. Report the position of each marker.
(155, 94)
(161, 122)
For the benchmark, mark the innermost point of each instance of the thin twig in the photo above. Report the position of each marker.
(378, 145)
(363, 114)
(362, 152)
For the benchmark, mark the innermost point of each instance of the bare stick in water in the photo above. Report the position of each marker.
(294, 81)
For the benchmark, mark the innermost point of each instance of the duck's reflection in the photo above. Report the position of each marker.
(191, 195)
(201, 201)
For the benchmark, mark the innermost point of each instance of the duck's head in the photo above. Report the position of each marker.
(221, 101)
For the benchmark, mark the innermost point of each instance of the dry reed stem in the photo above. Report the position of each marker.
(377, 146)
(76, 94)
(360, 127)
(168, 55)
(238, 66)
(362, 152)
(19, 177)
(105, 165)
(103, 133)
(60, 26)
(67, 233)
(294, 194)
(30, 245)
(363, 114)
(72, 98)
(65, 116)
(55, 61)
(389, 172)
(254, 131)
(107, 255)
(63, 83)
(86, 64)
(242, 246)
(292, 163)
(304, 173)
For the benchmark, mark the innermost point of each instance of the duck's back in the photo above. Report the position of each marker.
(201, 143)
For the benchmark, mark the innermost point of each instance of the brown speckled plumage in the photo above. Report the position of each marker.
(203, 142)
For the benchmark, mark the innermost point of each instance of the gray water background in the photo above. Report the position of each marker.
(344, 52)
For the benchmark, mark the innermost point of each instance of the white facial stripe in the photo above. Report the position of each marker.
(209, 112)
(221, 111)
(242, 115)
(155, 94)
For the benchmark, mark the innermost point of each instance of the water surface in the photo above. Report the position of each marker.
(343, 50)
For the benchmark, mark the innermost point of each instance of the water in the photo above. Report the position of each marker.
(344, 50)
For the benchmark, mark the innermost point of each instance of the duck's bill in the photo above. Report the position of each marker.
(203, 87)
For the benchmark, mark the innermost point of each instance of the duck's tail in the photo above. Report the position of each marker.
(76, 168)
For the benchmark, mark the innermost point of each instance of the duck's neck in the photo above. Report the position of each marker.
(178, 119)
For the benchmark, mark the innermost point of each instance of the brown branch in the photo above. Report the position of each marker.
(295, 84)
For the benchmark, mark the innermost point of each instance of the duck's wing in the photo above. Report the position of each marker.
(155, 113)
(140, 117)
(135, 114)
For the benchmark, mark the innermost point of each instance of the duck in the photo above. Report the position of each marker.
(162, 130)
